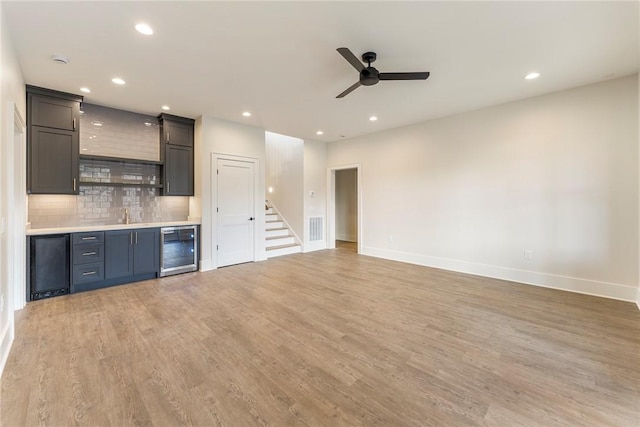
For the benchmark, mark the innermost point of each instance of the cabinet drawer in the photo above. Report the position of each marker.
(84, 254)
(88, 272)
(90, 237)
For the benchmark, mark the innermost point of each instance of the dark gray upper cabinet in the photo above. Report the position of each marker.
(177, 150)
(131, 252)
(178, 171)
(53, 161)
(52, 141)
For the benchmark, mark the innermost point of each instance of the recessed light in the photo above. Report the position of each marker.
(319, 133)
(166, 108)
(96, 123)
(246, 114)
(144, 29)
(373, 118)
(85, 89)
(118, 80)
(148, 124)
(532, 76)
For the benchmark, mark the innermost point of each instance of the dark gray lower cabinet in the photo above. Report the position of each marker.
(132, 253)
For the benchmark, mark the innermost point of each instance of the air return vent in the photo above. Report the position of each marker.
(316, 228)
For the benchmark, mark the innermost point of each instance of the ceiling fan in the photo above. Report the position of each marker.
(369, 75)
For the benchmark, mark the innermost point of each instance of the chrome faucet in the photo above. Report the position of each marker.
(127, 218)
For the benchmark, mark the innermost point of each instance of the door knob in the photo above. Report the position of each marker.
(251, 219)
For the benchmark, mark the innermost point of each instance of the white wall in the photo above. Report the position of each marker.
(346, 199)
(216, 136)
(315, 191)
(284, 174)
(556, 175)
(12, 97)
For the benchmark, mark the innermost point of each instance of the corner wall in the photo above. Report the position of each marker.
(12, 98)
(555, 176)
(224, 137)
(315, 192)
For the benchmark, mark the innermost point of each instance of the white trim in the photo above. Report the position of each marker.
(5, 346)
(259, 249)
(565, 283)
(20, 214)
(331, 203)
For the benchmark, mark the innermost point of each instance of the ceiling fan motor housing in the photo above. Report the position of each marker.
(369, 76)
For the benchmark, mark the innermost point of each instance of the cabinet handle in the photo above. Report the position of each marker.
(168, 139)
(74, 123)
(74, 184)
(131, 238)
(89, 238)
(88, 253)
(136, 237)
(168, 187)
(88, 273)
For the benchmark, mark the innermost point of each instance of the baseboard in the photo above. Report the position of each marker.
(565, 283)
(314, 246)
(347, 237)
(6, 339)
(638, 298)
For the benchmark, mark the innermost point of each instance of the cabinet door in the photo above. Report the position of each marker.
(146, 254)
(178, 171)
(176, 133)
(53, 112)
(53, 161)
(118, 254)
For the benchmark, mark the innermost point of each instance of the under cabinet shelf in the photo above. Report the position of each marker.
(118, 184)
(120, 160)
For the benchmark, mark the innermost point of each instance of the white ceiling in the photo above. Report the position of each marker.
(279, 60)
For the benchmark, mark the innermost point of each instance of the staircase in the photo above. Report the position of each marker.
(279, 239)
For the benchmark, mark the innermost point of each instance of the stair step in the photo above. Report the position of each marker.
(283, 250)
(271, 225)
(278, 241)
(268, 211)
(277, 232)
(271, 217)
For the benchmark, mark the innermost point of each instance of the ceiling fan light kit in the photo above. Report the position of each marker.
(369, 75)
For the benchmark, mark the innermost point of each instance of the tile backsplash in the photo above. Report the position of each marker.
(104, 205)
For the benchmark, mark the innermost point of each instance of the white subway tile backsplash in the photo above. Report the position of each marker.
(104, 206)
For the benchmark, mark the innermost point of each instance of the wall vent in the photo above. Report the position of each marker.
(316, 228)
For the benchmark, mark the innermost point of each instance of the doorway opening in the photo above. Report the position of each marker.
(345, 210)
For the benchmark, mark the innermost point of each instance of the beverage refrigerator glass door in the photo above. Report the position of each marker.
(178, 250)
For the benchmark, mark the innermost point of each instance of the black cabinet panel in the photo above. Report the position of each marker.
(53, 112)
(146, 254)
(49, 264)
(118, 254)
(53, 161)
(178, 171)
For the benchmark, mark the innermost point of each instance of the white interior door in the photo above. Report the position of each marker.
(236, 212)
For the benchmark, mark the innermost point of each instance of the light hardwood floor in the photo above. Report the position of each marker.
(327, 338)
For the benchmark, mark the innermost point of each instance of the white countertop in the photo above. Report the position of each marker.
(83, 228)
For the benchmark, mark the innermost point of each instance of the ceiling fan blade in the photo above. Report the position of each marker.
(351, 58)
(404, 76)
(353, 87)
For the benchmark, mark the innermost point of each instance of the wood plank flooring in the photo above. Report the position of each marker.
(329, 338)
